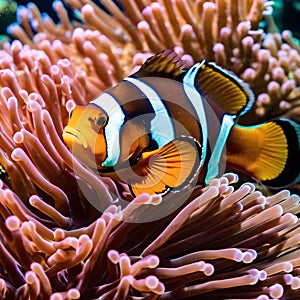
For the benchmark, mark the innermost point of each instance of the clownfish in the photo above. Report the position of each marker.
(167, 125)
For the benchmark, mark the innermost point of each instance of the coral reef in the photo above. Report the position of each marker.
(8, 14)
(66, 233)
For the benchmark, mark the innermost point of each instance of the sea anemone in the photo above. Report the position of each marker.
(65, 233)
(224, 243)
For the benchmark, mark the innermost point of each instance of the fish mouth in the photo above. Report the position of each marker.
(71, 135)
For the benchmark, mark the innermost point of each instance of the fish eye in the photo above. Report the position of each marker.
(101, 121)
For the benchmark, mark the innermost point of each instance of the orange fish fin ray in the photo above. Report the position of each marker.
(223, 90)
(271, 151)
(171, 167)
(166, 64)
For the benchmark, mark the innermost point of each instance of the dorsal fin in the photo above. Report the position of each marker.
(224, 91)
(166, 64)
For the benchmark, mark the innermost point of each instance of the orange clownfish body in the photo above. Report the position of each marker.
(165, 125)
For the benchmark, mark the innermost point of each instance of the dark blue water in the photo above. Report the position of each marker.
(45, 6)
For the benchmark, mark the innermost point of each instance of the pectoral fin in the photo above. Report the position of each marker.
(171, 167)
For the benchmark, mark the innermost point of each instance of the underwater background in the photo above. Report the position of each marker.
(233, 239)
(286, 13)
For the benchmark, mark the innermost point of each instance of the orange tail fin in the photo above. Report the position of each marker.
(269, 152)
